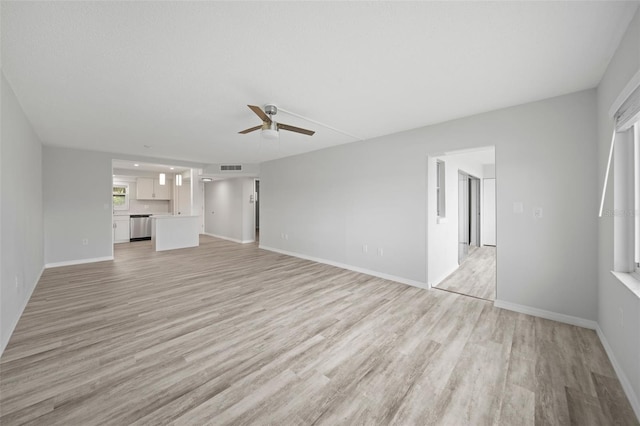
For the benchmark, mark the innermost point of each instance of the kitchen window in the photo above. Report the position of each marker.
(120, 197)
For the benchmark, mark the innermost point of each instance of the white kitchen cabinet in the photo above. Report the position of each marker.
(121, 229)
(144, 189)
(150, 189)
(162, 192)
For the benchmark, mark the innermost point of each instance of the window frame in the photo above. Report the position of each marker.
(636, 199)
(441, 210)
(125, 205)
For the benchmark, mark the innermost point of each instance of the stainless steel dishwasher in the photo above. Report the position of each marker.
(140, 227)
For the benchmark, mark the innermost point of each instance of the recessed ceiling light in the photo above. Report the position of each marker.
(207, 179)
(171, 168)
(136, 165)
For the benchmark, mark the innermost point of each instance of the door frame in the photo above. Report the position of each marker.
(469, 211)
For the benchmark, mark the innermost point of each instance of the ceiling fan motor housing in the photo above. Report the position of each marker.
(270, 109)
(269, 125)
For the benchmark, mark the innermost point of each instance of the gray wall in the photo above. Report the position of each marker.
(331, 202)
(21, 229)
(624, 340)
(233, 218)
(77, 205)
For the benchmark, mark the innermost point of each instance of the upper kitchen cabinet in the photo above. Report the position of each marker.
(150, 189)
(162, 192)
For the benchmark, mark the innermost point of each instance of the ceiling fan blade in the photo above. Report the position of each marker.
(295, 129)
(260, 113)
(251, 129)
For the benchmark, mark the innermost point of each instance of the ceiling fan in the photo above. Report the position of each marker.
(269, 126)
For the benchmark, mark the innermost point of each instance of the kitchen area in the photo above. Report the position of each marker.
(154, 202)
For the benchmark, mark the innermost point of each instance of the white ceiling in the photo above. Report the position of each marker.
(147, 167)
(115, 76)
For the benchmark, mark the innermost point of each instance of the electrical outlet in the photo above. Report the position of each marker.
(19, 285)
(537, 212)
(365, 248)
(621, 317)
(518, 207)
(85, 241)
(380, 251)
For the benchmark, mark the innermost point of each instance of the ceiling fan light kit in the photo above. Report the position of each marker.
(270, 129)
(270, 133)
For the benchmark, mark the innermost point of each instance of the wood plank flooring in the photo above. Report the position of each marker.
(476, 276)
(230, 334)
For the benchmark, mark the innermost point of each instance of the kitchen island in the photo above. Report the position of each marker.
(173, 232)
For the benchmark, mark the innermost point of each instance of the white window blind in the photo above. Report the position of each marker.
(629, 111)
(624, 118)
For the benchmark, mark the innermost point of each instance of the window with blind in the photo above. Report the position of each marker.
(625, 157)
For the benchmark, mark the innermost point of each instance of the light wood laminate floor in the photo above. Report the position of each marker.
(230, 334)
(476, 276)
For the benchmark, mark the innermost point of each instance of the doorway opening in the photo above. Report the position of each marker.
(257, 207)
(142, 190)
(461, 222)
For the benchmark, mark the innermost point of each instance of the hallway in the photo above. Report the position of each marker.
(476, 276)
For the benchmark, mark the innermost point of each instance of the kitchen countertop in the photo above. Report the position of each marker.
(140, 213)
(172, 216)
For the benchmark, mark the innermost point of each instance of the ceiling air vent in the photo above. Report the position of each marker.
(231, 167)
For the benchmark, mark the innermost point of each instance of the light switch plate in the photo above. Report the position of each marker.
(537, 212)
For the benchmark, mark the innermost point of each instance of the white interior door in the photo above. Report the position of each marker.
(463, 216)
(489, 213)
(474, 211)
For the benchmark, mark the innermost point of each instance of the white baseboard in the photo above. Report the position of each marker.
(624, 381)
(401, 280)
(567, 319)
(235, 240)
(580, 322)
(442, 277)
(17, 318)
(78, 262)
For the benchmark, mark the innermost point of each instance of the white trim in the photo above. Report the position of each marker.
(78, 262)
(536, 312)
(443, 277)
(24, 305)
(624, 94)
(629, 281)
(624, 381)
(235, 240)
(606, 174)
(382, 275)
